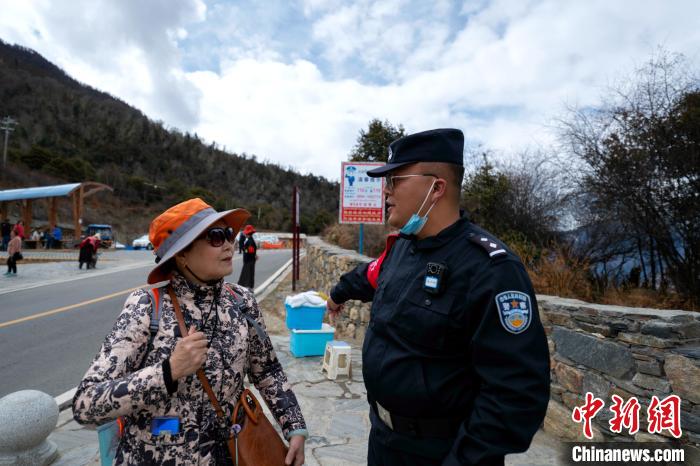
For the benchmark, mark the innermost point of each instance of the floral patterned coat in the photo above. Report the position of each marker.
(126, 377)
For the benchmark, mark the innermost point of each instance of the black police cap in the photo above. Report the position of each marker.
(437, 145)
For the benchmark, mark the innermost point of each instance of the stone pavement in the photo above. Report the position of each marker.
(30, 275)
(336, 413)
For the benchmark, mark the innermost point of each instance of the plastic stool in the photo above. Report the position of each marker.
(336, 359)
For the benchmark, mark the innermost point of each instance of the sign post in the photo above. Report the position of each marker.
(361, 196)
(296, 243)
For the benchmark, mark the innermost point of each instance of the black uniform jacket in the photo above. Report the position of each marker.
(461, 354)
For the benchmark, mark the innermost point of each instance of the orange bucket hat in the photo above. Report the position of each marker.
(249, 229)
(176, 228)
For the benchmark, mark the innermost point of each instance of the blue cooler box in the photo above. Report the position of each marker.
(310, 342)
(305, 317)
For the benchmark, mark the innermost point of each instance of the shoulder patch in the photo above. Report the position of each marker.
(514, 310)
(491, 246)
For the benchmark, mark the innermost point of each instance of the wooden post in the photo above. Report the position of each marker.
(297, 231)
(52, 212)
(76, 217)
(80, 203)
(294, 239)
(27, 217)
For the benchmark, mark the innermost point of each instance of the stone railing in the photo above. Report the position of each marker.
(605, 350)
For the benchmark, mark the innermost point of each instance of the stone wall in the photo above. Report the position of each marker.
(324, 264)
(615, 350)
(605, 350)
(286, 240)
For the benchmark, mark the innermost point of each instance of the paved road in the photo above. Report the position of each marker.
(51, 353)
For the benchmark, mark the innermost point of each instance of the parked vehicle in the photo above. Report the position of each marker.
(105, 232)
(142, 242)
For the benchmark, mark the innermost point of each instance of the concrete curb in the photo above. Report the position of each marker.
(65, 400)
(261, 289)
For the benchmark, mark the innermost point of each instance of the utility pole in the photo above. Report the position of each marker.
(6, 124)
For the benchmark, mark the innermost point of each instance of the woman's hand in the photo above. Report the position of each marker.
(189, 355)
(295, 456)
(334, 309)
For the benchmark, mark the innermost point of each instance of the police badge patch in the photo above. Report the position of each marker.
(514, 310)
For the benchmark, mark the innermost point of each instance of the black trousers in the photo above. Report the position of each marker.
(247, 277)
(12, 263)
(379, 454)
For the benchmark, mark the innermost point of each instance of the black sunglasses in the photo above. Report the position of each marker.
(217, 235)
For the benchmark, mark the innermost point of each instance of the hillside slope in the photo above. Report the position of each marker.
(69, 132)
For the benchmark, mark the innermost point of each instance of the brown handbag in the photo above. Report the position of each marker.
(256, 443)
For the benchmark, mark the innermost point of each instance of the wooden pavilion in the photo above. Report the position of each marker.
(76, 192)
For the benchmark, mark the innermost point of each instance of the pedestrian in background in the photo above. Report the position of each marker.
(88, 252)
(45, 237)
(5, 228)
(49, 238)
(241, 240)
(19, 229)
(14, 253)
(57, 236)
(250, 255)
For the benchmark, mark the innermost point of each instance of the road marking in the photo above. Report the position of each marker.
(67, 308)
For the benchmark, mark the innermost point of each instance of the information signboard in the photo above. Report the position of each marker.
(361, 197)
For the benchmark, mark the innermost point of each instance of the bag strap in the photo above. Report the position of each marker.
(242, 401)
(200, 372)
(156, 306)
(254, 323)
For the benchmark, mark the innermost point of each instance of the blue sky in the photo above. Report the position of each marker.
(294, 81)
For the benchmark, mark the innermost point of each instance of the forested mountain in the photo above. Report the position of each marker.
(68, 132)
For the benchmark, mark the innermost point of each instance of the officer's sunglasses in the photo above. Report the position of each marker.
(390, 183)
(217, 235)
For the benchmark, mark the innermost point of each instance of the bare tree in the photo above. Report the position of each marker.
(641, 170)
(525, 196)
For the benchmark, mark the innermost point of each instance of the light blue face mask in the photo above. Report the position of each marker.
(416, 223)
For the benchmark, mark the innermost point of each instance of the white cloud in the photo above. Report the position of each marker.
(294, 83)
(127, 48)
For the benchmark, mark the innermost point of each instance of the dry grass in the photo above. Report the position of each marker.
(554, 270)
(643, 297)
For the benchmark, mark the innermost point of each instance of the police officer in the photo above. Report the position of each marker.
(455, 358)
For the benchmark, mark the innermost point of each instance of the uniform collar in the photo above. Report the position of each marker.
(444, 237)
